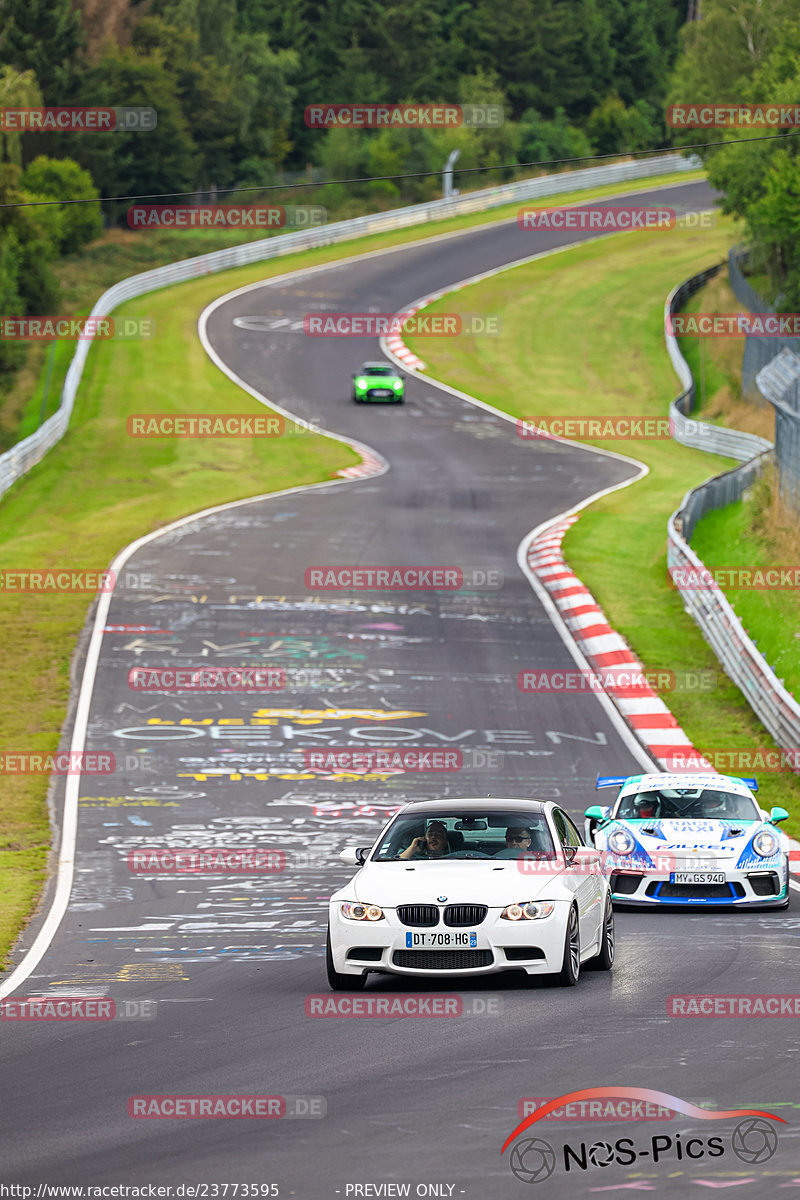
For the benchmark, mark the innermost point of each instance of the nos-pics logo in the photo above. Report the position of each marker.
(533, 1159)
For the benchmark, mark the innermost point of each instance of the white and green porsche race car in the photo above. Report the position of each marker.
(697, 839)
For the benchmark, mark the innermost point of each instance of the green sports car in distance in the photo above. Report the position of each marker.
(378, 383)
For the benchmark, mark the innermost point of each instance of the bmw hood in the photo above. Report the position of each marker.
(466, 882)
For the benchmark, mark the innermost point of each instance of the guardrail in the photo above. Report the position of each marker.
(758, 351)
(14, 463)
(739, 656)
(779, 381)
(701, 435)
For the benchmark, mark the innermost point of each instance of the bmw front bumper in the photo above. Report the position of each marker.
(536, 947)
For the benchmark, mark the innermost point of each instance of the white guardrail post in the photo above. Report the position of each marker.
(20, 458)
(740, 658)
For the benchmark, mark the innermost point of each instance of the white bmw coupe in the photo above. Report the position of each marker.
(472, 887)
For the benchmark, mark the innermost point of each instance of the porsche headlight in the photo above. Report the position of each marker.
(620, 841)
(526, 910)
(362, 912)
(765, 844)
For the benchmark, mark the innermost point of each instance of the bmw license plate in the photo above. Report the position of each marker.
(697, 877)
(434, 941)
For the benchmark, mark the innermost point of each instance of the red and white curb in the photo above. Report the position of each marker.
(642, 709)
(371, 464)
(400, 349)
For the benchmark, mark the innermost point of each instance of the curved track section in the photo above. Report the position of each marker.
(414, 1103)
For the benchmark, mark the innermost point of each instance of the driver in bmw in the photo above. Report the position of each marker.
(433, 843)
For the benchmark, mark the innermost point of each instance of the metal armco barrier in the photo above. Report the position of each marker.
(15, 462)
(779, 381)
(758, 351)
(701, 435)
(740, 658)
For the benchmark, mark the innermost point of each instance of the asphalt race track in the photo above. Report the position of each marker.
(423, 1105)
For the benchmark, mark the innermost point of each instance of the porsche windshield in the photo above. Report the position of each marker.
(703, 803)
(496, 834)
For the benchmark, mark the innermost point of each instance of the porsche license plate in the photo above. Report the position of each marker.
(697, 877)
(435, 941)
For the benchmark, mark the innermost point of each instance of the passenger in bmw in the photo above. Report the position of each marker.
(518, 841)
(432, 844)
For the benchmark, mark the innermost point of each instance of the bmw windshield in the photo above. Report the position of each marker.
(497, 834)
(695, 803)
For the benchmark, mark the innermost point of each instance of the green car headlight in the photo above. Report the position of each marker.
(398, 385)
(361, 382)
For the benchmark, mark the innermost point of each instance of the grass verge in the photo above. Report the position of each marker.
(587, 326)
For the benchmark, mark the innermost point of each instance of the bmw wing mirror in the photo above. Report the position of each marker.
(352, 855)
(569, 854)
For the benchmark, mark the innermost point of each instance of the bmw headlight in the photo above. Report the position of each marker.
(620, 841)
(362, 912)
(765, 844)
(526, 910)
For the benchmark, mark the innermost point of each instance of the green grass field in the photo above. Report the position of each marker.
(741, 536)
(586, 327)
